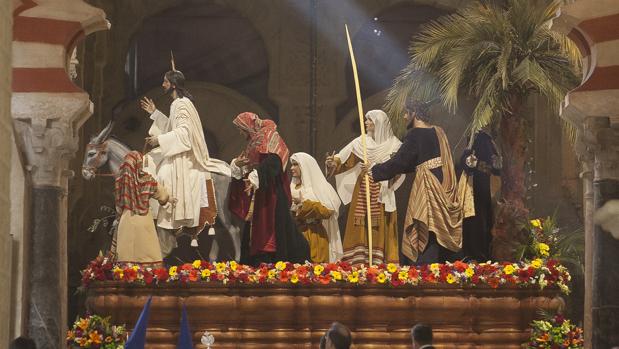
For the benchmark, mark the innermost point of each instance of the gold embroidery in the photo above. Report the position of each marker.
(431, 164)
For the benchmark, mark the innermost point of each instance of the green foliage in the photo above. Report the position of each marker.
(497, 52)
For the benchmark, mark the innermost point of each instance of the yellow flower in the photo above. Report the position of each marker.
(435, 267)
(353, 277)
(508, 269)
(536, 263)
(391, 267)
(220, 267)
(135, 268)
(271, 274)
(318, 269)
(294, 278)
(336, 275)
(450, 278)
(543, 249)
(469, 272)
(381, 278)
(206, 273)
(536, 223)
(173, 270)
(280, 265)
(233, 265)
(196, 264)
(118, 272)
(402, 276)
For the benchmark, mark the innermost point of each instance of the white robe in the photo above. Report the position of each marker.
(184, 163)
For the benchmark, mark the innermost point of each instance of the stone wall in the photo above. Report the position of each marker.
(5, 165)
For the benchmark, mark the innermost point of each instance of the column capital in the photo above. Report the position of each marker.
(46, 126)
(604, 142)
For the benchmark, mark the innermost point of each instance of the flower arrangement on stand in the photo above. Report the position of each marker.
(96, 332)
(555, 333)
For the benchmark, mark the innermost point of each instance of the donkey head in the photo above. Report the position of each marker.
(96, 152)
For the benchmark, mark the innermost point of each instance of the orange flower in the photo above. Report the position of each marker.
(82, 341)
(95, 337)
(83, 324)
(193, 275)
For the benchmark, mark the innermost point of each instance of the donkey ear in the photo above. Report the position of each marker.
(104, 134)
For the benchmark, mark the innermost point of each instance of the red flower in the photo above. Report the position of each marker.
(429, 278)
(194, 275)
(243, 276)
(130, 274)
(493, 282)
(148, 277)
(551, 263)
(302, 272)
(345, 266)
(186, 266)
(161, 274)
(395, 281)
(284, 276)
(324, 279)
(460, 266)
(413, 273)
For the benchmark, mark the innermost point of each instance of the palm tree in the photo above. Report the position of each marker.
(498, 53)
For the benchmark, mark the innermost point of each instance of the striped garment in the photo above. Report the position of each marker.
(133, 187)
(361, 207)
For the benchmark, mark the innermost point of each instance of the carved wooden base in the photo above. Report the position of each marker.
(296, 317)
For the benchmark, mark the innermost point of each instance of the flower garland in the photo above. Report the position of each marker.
(536, 274)
(96, 332)
(555, 333)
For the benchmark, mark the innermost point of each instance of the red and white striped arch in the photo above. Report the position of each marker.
(44, 35)
(594, 26)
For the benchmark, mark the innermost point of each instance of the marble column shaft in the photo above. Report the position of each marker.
(46, 293)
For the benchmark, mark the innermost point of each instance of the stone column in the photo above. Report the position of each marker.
(48, 110)
(586, 157)
(46, 130)
(605, 266)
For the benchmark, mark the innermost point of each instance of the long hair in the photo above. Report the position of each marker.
(177, 79)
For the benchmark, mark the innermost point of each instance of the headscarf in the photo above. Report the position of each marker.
(314, 186)
(133, 187)
(263, 138)
(381, 145)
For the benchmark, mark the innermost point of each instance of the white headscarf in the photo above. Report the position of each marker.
(380, 147)
(314, 186)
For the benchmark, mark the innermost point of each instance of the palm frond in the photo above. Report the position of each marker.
(410, 82)
(489, 51)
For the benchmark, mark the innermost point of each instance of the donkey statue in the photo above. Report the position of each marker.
(103, 149)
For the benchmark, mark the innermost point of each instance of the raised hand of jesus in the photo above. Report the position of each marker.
(148, 105)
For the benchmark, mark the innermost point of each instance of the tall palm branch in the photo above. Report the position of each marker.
(498, 53)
